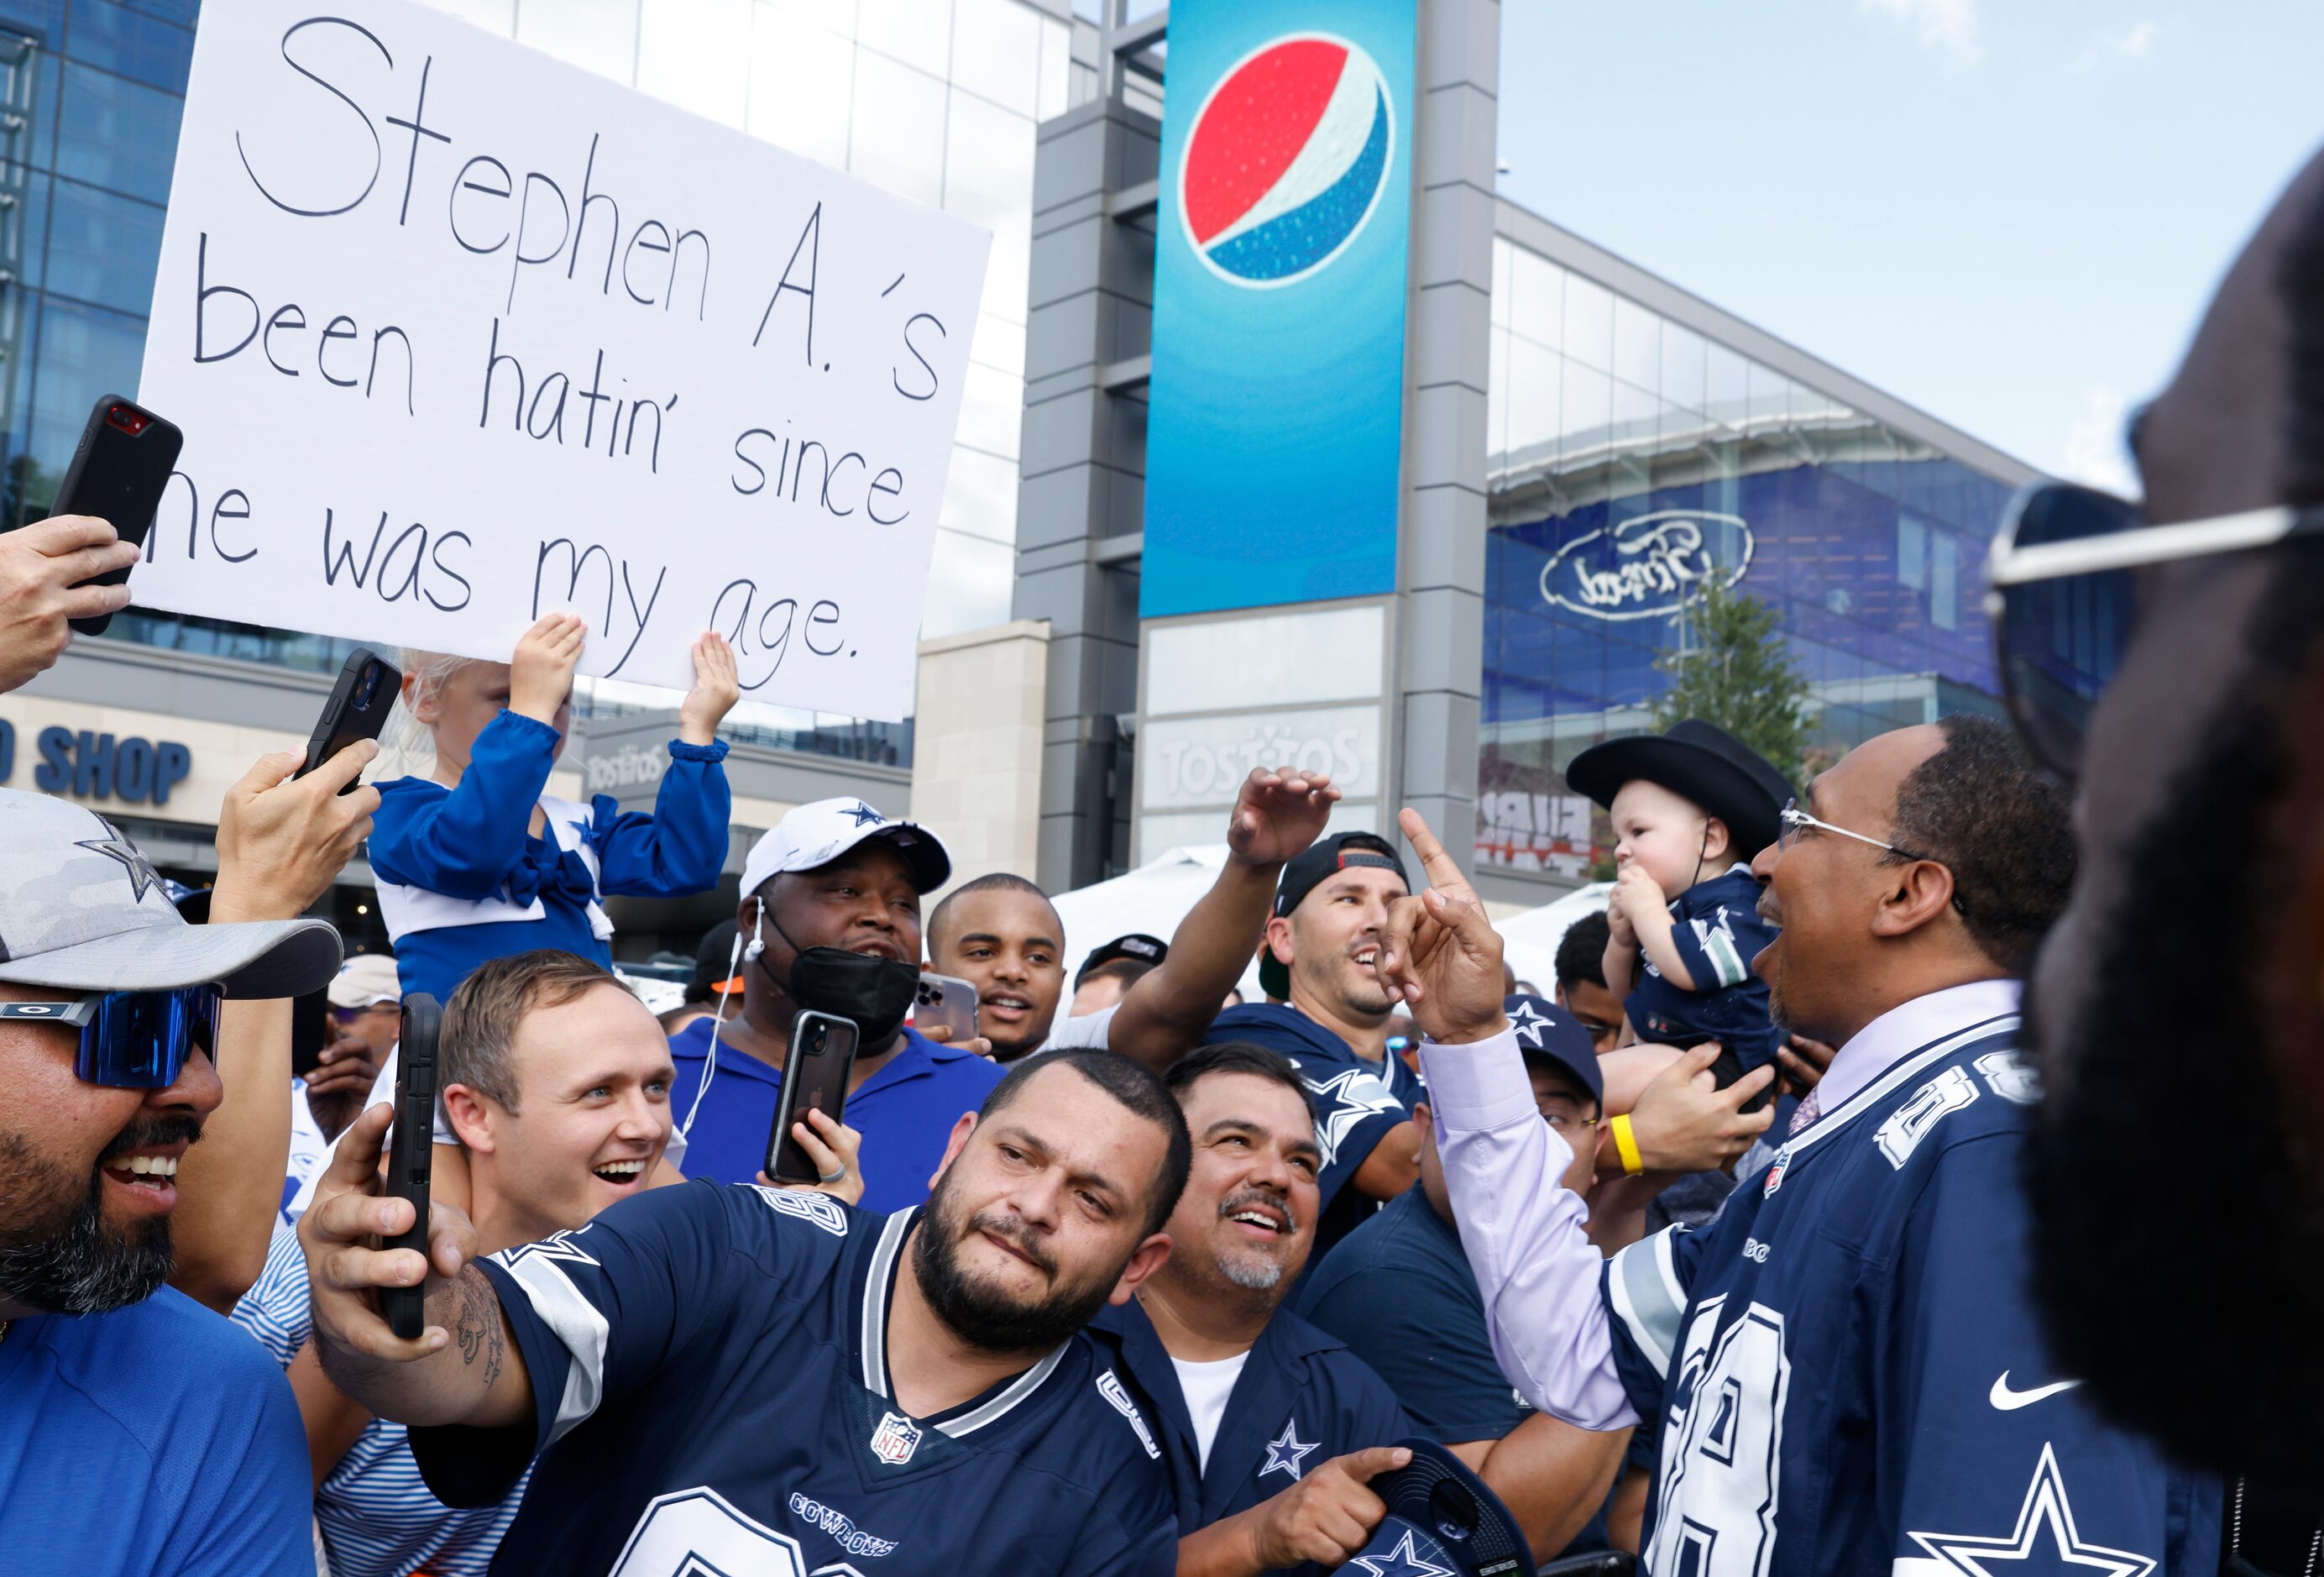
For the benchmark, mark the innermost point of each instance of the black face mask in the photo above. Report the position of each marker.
(875, 993)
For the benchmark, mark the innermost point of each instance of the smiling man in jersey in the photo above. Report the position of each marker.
(1845, 1365)
(557, 1080)
(1271, 1428)
(759, 1380)
(1332, 1020)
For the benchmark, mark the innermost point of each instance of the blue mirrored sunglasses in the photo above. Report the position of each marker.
(131, 1040)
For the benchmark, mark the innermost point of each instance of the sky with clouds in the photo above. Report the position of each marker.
(2010, 215)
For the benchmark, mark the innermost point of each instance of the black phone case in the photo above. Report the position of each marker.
(785, 1162)
(349, 715)
(118, 477)
(410, 1145)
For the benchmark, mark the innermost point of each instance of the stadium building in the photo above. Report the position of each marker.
(1541, 460)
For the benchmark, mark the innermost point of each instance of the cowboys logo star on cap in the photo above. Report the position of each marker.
(81, 909)
(811, 836)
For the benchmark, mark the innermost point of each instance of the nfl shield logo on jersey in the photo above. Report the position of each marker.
(896, 1439)
(1776, 1171)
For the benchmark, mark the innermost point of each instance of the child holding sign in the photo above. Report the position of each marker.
(476, 860)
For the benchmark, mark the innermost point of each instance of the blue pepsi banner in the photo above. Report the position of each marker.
(1277, 415)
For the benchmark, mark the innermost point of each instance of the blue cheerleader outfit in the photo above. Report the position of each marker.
(461, 879)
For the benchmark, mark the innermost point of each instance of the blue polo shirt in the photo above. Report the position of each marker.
(157, 1438)
(905, 1112)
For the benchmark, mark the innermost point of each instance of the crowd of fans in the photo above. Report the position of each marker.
(1754, 1245)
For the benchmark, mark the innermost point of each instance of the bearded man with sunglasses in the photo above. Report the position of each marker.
(138, 1430)
(2190, 957)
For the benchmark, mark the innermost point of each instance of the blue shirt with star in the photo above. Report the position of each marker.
(1847, 1371)
(1301, 1400)
(713, 1393)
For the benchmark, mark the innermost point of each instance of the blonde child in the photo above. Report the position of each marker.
(474, 859)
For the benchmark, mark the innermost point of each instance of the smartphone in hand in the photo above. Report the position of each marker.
(118, 474)
(946, 1000)
(358, 710)
(410, 1145)
(815, 1079)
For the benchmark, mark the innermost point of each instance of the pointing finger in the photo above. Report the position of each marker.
(1433, 860)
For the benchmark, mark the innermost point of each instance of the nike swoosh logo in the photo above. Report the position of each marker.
(2009, 1401)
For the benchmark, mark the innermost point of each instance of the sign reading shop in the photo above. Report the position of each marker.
(1647, 566)
(89, 765)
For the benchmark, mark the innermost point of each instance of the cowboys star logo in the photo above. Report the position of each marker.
(142, 877)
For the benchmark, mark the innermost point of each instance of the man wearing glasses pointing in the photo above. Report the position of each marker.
(1844, 1365)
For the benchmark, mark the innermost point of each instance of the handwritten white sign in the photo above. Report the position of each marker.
(460, 334)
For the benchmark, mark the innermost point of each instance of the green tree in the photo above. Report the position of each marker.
(1733, 670)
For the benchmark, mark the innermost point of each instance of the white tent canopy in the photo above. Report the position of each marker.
(1156, 896)
(1531, 938)
(1152, 899)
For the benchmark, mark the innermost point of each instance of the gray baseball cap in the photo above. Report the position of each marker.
(81, 909)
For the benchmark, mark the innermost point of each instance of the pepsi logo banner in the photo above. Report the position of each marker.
(1286, 160)
(1276, 406)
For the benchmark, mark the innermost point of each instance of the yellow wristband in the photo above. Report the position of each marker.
(1625, 1144)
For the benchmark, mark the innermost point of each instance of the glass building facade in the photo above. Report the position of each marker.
(1633, 458)
(936, 99)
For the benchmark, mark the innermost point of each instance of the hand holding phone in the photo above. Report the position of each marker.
(410, 1146)
(948, 1001)
(357, 709)
(815, 1079)
(118, 474)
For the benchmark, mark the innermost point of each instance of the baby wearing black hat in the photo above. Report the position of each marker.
(1691, 809)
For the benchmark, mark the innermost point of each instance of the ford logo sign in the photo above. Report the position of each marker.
(1648, 565)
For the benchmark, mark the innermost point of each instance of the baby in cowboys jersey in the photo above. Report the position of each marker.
(1690, 808)
(475, 860)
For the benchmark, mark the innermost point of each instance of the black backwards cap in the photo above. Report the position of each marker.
(1137, 946)
(1310, 869)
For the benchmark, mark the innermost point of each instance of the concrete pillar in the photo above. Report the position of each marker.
(1440, 575)
(976, 753)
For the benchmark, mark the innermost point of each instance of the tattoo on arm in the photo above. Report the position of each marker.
(477, 1328)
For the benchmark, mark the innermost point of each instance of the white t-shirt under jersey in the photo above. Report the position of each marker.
(1206, 1387)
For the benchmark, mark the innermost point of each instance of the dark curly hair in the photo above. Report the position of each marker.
(1978, 809)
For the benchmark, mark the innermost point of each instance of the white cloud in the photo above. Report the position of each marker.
(1946, 28)
(2094, 452)
(2134, 42)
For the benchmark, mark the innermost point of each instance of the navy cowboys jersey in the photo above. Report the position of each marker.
(709, 1365)
(1717, 931)
(1847, 1369)
(1301, 1400)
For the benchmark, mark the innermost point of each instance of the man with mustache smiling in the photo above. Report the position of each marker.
(139, 1432)
(1271, 1428)
(764, 1380)
(1332, 1021)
